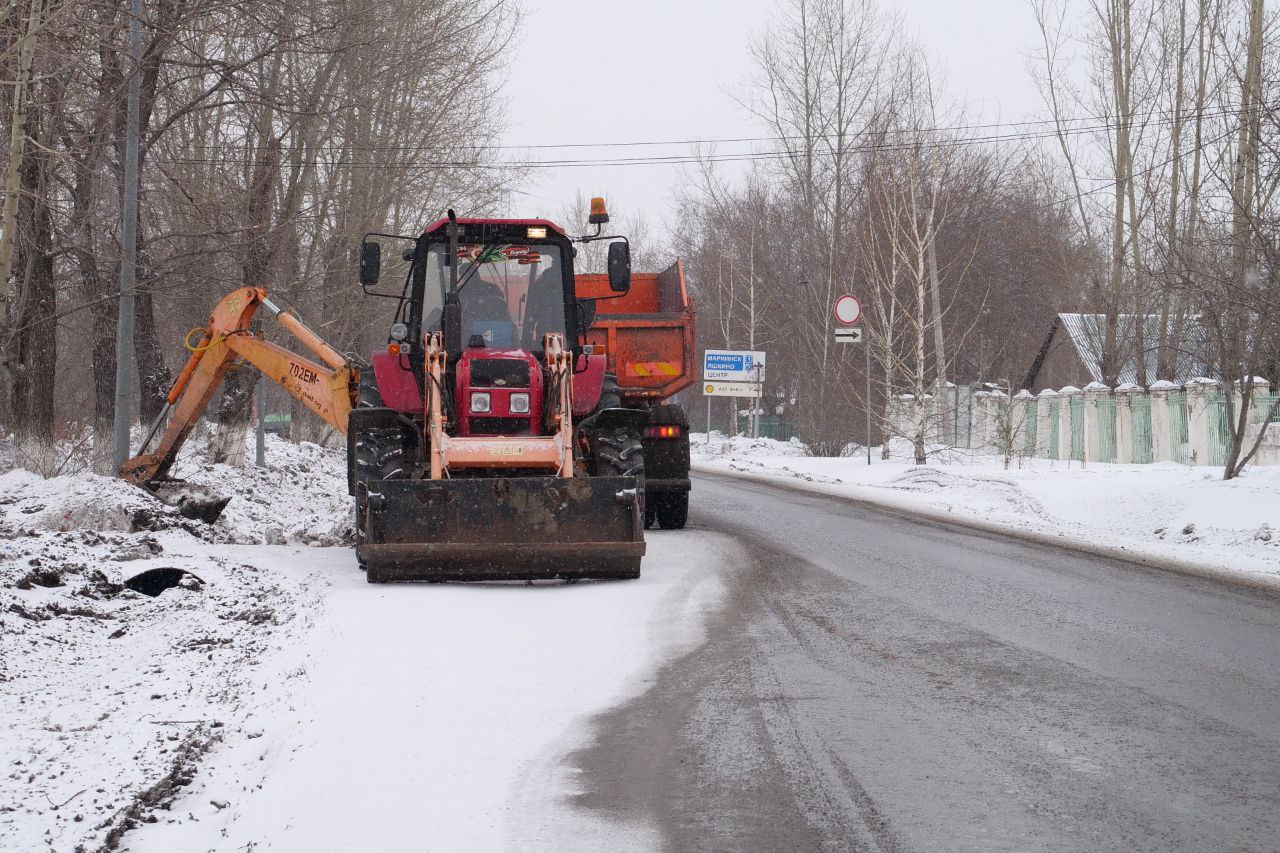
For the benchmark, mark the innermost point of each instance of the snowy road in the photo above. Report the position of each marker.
(435, 717)
(878, 683)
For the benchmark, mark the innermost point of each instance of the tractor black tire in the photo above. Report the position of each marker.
(671, 510)
(618, 453)
(377, 453)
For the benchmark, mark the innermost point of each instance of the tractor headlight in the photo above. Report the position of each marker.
(480, 402)
(519, 404)
(399, 331)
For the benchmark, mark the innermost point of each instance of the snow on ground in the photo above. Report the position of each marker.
(1165, 510)
(274, 700)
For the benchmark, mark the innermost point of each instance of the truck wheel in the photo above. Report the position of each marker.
(619, 454)
(672, 510)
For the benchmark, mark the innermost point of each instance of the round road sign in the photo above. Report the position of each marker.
(848, 310)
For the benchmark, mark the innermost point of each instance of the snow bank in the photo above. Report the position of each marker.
(301, 496)
(719, 445)
(1164, 511)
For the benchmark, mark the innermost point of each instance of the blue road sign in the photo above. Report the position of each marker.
(733, 365)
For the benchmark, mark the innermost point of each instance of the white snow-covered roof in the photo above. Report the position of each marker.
(1088, 331)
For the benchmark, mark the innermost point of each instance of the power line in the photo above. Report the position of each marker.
(690, 158)
(1169, 116)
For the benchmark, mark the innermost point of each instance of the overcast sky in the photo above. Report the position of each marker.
(593, 72)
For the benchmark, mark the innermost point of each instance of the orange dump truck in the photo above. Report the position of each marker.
(647, 335)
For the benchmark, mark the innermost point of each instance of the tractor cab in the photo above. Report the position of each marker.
(511, 292)
(494, 291)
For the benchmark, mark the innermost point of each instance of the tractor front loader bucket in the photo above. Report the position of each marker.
(502, 528)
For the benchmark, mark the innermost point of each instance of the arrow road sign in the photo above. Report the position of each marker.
(849, 336)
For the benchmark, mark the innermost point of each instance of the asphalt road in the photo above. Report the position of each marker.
(878, 683)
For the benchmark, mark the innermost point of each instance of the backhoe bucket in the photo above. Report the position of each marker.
(502, 528)
(192, 501)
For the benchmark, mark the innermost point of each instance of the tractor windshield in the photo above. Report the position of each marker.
(511, 294)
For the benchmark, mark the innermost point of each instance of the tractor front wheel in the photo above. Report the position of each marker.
(377, 453)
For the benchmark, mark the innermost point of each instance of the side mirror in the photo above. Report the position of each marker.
(370, 263)
(620, 266)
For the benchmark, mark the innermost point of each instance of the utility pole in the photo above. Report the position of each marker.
(128, 248)
(260, 433)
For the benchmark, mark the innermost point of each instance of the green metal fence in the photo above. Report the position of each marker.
(1004, 424)
(1143, 450)
(1105, 411)
(1030, 428)
(1219, 428)
(1055, 436)
(1178, 434)
(1264, 408)
(770, 426)
(1077, 429)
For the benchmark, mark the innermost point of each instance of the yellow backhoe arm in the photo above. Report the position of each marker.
(326, 387)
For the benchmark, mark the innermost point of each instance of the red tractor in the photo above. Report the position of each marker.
(488, 439)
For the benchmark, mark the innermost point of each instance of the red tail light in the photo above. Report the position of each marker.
(662, 432)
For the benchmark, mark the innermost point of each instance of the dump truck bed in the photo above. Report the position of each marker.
(647, 334)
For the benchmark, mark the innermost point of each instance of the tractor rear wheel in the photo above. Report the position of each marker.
(610, 393)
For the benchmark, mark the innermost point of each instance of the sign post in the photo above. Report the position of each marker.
(848, 311)
(867, 349)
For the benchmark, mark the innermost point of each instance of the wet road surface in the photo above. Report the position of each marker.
(878, 683)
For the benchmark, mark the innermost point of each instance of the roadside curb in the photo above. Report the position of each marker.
(884, 503)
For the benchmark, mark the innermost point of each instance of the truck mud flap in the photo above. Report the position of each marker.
(502, 528)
